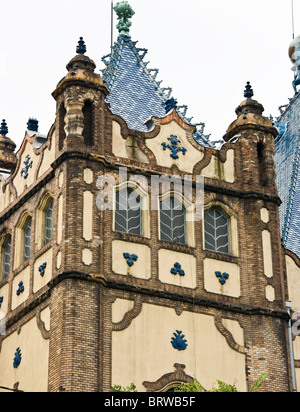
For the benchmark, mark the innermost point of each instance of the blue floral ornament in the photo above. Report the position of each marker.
(178, 341)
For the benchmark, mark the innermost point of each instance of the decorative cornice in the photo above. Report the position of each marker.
(177, 297)
(132, 168)
(181, 298)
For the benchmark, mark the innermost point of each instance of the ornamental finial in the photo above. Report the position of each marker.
(124, 12)
(81, 48)
(170, 104)
(3, 129)
(248, 93)
(33, 125)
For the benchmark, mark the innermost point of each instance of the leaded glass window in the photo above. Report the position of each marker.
(128, 213)
(27, 240)
(172, 220)
(6, 257)
(49, 222)
(216, 228)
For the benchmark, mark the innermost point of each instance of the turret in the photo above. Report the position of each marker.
(8, 159)
(257, 134)
(77, 95)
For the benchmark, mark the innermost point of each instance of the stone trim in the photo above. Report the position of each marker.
(228, 336)
(178, 376)
(129, 316)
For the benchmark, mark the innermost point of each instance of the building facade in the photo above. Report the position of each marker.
(107, 279)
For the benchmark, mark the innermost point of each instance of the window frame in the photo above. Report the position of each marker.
(19, 239)
(172, 228)
(48, 239)
(144, 211)
(232, 228)
(41, 221)
(216, 248)
(27, 227)
(189, 218)
(3, 243)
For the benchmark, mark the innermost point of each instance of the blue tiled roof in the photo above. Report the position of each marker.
(287, 159)
(135, 94)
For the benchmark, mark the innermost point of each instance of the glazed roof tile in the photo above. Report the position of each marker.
(135, 93)
(287, 159)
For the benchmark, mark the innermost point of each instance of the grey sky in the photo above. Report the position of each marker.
(206, 50)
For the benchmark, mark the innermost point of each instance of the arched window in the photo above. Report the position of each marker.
(6, 257)
(61, 132)
(128, 211)
(27, 239)
(216, 231)
(172, 220)
(44, 221)
(23, 235)
(49, 222)
(88, 114)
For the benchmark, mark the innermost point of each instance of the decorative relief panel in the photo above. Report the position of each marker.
(42, 271)
(177, 147)
(181, 273)
(4, 291)
(21, 287)
(131, 259)
(222, 277)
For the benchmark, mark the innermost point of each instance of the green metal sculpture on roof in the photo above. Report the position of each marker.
(124, 12)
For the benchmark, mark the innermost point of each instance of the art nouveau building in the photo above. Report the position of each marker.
(95, 295)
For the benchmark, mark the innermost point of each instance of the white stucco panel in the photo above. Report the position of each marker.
(144, 352)
(184, 162)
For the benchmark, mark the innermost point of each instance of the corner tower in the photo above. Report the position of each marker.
(254, 137)
(79, 96)
(8, 158)
(257, 134)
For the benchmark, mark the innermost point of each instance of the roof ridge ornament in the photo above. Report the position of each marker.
(81, 48)
(124, 12)
(248, 93)
(33, 125)
(4, 128)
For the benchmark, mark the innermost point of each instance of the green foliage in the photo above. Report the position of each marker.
(224, 387)
(259, 382)
(190, 387)
(119, 388)
(196, 387)
(219, 386)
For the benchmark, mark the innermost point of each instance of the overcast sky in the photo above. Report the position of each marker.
(206, 50)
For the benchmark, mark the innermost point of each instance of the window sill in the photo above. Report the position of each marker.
(4, 281)
(20, 268)
(179, 247)
(43, 249)
(226, 257)
(131, 238)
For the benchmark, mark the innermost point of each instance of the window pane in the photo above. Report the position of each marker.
(27, 240)
(6, 257)
(128, 214)
(216, 227)
(49, 222)
(172, 221)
